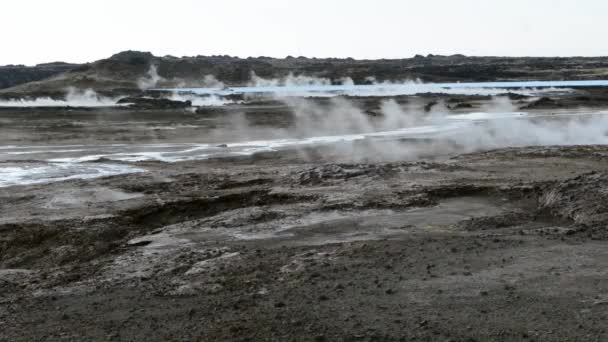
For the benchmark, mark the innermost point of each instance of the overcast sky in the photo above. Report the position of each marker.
(35, 31)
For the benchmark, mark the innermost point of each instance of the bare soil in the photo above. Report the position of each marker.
(500, 245)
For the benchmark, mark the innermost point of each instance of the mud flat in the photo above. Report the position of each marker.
(310, 242)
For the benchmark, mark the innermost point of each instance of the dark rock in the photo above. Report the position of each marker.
(140, 243)
(543, 103)
(430, 105)
(514, 96)
(133, 57)
(462, 105)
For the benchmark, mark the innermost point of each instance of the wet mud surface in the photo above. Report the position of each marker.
(298, 245)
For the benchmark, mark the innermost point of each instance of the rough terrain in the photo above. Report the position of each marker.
(488, 246)
(317, 243)
(499, 245)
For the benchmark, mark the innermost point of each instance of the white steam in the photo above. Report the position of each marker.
(73, 98)
(339, 131)
(292, 80)
(151, 79)
(202, 101)
(309, 86)
(209, 81)
(440, 133)
(518, 130)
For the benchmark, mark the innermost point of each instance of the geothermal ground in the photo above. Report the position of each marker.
(430, 217)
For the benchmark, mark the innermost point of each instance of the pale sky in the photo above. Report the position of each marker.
(35, 31)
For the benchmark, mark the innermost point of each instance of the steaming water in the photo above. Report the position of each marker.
(170, 153)
(475, 130)
(94, 101)
(49, 102)
(391, 89)
(37, 173)
(58, 163)
(213, 96)
(74, 98)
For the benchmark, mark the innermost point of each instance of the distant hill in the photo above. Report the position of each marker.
(12, 75)
(132, 70)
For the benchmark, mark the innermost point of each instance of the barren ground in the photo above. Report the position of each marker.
(306, 245)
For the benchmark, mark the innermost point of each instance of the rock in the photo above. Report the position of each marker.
(430, 105)
(462, 105)
(141, 243)
(133, 57)
(543, 103)
(514, 96)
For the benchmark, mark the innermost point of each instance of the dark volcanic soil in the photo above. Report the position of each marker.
(502, 245)
(303, 245)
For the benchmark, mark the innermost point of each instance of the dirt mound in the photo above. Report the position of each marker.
(583, 199)
(332, 172)
(338, 172)
(543, 103)
(192, 209)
